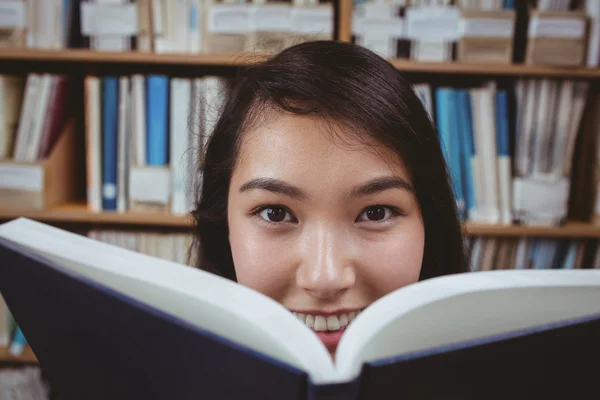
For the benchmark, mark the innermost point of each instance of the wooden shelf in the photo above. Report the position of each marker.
(78, 213)
(27, 358)
(569, 230)
(493, 69)
(88, 56)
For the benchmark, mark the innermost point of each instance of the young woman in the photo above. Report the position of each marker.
(325, 187)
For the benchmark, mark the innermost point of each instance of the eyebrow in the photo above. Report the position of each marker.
(374, 186)
(378, 185)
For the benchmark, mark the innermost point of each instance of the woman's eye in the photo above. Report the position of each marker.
(276, 214)
(377, 213)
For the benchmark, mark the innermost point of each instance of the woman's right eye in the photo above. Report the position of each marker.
(276, 214)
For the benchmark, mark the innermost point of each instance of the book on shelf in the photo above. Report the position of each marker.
(106, 322)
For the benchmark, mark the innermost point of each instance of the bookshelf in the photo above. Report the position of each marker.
(74, 56)
(82, 62)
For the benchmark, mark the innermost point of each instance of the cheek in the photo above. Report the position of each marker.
(261, 260)
(393, 261)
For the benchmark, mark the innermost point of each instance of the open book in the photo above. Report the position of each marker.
(106, 322)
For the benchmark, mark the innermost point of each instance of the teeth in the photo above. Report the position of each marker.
(343, 320)
(310, 321)
(320, 323)
(333, 323)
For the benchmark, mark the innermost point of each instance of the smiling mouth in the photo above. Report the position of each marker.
(327, 323)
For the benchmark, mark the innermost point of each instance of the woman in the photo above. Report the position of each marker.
(325, 187)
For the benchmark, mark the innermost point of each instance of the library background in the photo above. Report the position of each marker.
(100, 99)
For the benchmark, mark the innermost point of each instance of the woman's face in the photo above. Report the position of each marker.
(323, 226)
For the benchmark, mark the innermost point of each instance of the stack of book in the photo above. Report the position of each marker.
(165, 26)
(144, 139)
(556, 32)
(509, 149)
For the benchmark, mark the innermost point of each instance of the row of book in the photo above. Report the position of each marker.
(556, 32)
(170, 246)
(144, 139)
(33, 113)
(488, 253)
(165, 26)
(509, 149)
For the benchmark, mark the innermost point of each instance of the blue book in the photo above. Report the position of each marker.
(157, 119)
(107, 323)
(467, 150)
(508, 4)
(448, 129)
(110, 131)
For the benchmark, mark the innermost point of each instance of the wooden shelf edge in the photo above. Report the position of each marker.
(89, 56)
(78, 213)
(493, 69)
(132, 57)
(26, 358)
(570, 230)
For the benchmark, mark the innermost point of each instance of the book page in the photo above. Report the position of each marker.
(462, 307)
(202, 299)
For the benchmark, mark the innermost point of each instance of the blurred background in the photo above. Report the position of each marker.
(100, 101)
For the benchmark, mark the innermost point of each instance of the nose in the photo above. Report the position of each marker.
(326, 271)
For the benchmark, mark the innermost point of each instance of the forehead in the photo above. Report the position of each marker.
(289, 146)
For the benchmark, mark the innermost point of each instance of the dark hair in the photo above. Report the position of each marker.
(347, 85)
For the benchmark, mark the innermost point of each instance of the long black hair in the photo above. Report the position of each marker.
(350, 86)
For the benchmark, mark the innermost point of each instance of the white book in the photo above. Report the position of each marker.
(181, 95)
(93, 143)
(39, 117)
(123, 136)
(194, 20)
(11, 98)
(563, 126)
(32, 89)
(195, 140)
(486, 171)
(214, 98)
(138, 120)
(174, 40)
(257, 327)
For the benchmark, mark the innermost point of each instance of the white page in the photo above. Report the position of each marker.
(203, 299)
(456, 308)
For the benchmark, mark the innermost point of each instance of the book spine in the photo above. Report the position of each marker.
(503, 157)
(110, 121)
(467, 150)
(157, 110)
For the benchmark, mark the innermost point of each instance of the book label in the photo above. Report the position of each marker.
(109, 19)
(22, 177)
(487, 27)
(570, 28)
(12, 14)
(150, 184)
(435, 24)
(271, 18)
(312, 20)
(232, 19)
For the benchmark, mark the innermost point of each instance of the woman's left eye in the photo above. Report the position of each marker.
(378, 213)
